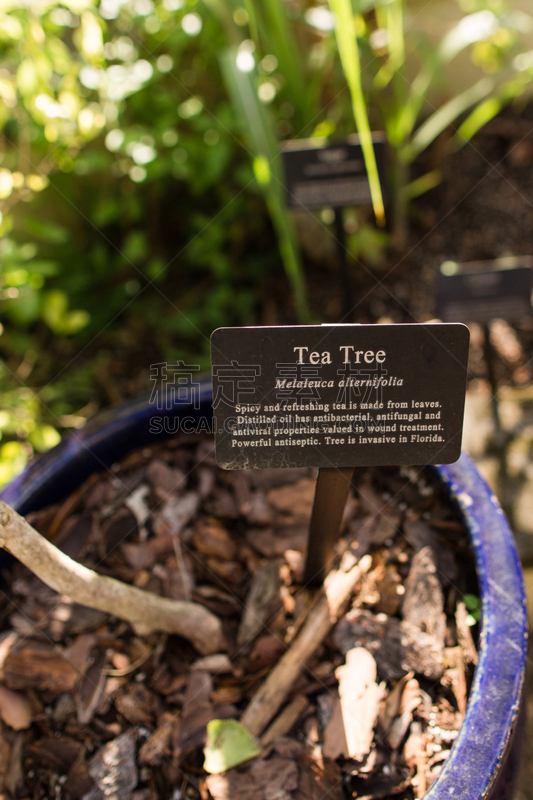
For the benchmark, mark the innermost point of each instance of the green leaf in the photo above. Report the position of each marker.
(135, 247)
(24, 308)
(10, 27)
(228, 744)
(262, 170)
(90, 39)
(284, 45)
(257, 124)
(472, 602)
(43, 266)
(59, 54)
(46, 230)
(423, 184)
(13, 458)
(57, 316)
(345, 31)
(27, 77)
(44, 437)
(470, 29)
(76, 320)
(445, 116)
(488, 109)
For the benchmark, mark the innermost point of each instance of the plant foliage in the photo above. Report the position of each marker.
(141, 191)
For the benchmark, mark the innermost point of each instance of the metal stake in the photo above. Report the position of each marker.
(332, 489)
(489, 360)
(344, 276)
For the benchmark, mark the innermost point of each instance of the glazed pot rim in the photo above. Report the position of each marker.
(493, 706)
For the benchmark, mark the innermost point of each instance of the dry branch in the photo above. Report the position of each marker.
(145, 611)
(284, 722)
(270, 696)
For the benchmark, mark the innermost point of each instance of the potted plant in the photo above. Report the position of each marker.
(482, 760)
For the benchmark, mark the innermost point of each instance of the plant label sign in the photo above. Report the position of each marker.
(331, 175)
(485, 294)
(338, 395)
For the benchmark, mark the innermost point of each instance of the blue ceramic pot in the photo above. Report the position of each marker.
(482, 761)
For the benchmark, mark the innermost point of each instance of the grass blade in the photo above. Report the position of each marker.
(349, 55)
(488, 109)
(437, 122)
(257, 125)
(469, 30)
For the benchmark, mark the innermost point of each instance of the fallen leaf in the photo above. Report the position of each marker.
(212, 539)
(158, 745)
(57, 754)
(263, 780)
(410, 699)
(319, 778)
(257, 510)
(14, 778)
(232, 785)
(334, 734)
(228, 744)
(273, 542)
(113, 769)
(262, 603)
(360, 696)
(178, 511)
(37, 665)
(218, 663)
(397, 645)
(136, 703)
(91, 688)
(294, 500)
(165, 479)
(15, 709)
(121, 526)
(199, 690)
(276, 777)
(5, 753)
(390, 708)
(423, 602)
(419, 535)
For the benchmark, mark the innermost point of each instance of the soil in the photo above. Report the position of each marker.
(91, 710)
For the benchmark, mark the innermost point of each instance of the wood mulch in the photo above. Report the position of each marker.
(90, 710)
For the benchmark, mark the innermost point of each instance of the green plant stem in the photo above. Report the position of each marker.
(488, 109)
(445, 116)
(252, 21)
(288, 247)
(400, 202)
(349, 55)
(258, 127)
(396, 43)
(286, 50)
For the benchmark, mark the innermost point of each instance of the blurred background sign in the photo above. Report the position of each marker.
(333, 174)
(484, 290)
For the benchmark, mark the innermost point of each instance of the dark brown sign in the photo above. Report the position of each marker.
(328, 175)
(478, 293)
(338, 395)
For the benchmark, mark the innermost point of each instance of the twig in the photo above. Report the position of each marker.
(121, 673)
(456, 676)
(145, 611)
(285, 720)
(417, 744)
(464, 635)
(271, 695)
(180, 561)
(68, 506)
